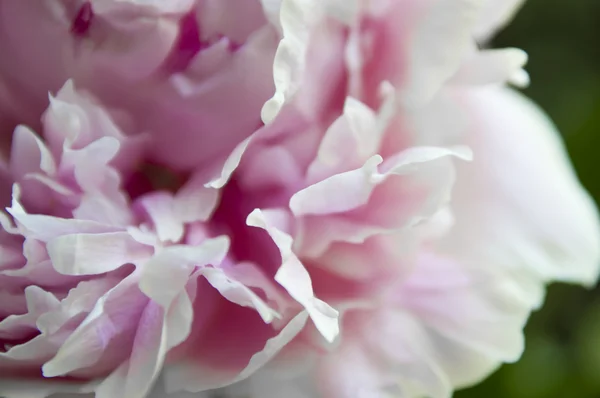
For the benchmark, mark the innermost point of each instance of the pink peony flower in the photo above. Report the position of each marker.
(303, 198)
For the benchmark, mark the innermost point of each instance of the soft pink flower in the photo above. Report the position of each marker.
(303, 198)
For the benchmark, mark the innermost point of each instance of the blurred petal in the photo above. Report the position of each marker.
(492, 66)
(494, 15)
(520, 199)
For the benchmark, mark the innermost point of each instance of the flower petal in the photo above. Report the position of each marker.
(494, 15)
(295, 279)
(520, 199)
(93, 254)
(195, 376)
(349, 190)
(493, 66)
(165, 275)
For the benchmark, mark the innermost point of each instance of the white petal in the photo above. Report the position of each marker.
(93, 254)
(44, 228)
(238, 293)
(230, 164)
(437, 46)
(195, 202)
(165, 275)
(492, 66)
(295, 278)
(495, 15)
(460, 308)
(26, 149)
(519, 205)
(349, 190)
(297, 18)
(160, 207)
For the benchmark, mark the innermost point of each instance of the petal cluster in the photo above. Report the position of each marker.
(333, 198)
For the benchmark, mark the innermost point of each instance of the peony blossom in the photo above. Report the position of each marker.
(275, 198)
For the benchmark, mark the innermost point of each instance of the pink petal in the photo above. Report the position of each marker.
(93, 254)
(295, 279)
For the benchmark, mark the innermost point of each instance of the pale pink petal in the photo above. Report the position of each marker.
(230, 164)
(166, 274)
(354, 137)
(437, 45)
(55, 326)
(520, 199)
(492, 66)
(494, 15)
(74, 119)
(272, 9)
(29, 154)
(160, 208)
(195, 376)
(194, 201)
(238, 293)
(424, 45)
(230, 18)
(349, 190)
(475, 302)
(100, 339)
(297, 19)
(295, 279)
(160, 329)
(93, 254)
(45, 228)
(39, 302)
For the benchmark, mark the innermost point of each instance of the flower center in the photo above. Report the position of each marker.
(152, 177)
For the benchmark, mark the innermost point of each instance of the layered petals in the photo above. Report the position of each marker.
(273, 198)
(543, 222)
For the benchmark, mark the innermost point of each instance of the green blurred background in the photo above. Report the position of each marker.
(562, 356)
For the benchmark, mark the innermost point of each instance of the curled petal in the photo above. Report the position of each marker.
(238, 293)
(231, 163)
(297, 18)
(355, 136)
(45, 227)
(295, 279)
(349, 190)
